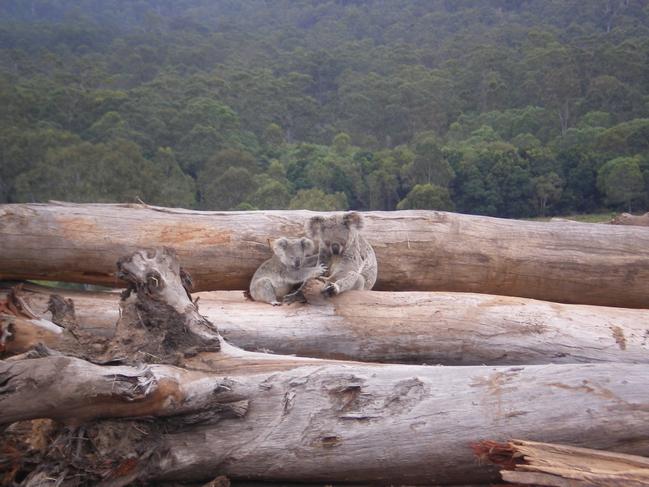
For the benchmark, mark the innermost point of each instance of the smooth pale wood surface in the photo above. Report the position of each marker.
(410, 327)
(416, 250)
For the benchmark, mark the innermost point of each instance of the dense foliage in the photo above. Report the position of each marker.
(498, 107)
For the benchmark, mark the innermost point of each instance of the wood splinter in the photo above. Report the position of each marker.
(534, 463)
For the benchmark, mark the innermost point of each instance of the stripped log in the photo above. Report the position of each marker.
(200, 414)
(533, 463)
(629, 219)
(416, 250)
(328, 422)
(431, 328)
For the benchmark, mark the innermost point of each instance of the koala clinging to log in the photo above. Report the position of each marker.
(293, 262)
(349, 257)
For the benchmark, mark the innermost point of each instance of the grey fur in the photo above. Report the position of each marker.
(293, 262)
(349, 257)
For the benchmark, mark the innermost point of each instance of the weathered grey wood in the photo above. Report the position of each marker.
(341, 422)
(411, 327)
(416, 250)
(407, 424)
(280, 418)
(71, 389)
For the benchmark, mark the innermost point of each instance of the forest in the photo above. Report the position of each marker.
(511, 108)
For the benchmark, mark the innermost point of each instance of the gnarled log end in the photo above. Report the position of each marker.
(160, 323)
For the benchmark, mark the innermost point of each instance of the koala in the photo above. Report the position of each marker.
(349, 257)
(293, 262)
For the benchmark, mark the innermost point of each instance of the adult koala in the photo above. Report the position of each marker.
(350, 259)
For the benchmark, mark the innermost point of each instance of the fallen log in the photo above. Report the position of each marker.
(416, 250)
(189, 409)
(338, 422)
(533, 463)
(629, 219)
(411, 327)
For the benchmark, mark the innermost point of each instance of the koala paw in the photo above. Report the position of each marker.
(321, 270)
(331, 289)
(294, 297)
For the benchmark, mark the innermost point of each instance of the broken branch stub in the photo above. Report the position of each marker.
(23, 331)
(160, 323)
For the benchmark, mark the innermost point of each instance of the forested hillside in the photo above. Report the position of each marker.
(499, 107)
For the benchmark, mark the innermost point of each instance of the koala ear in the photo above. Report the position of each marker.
(280, 244)
(353, 219)
(314, 226)
(307, 244)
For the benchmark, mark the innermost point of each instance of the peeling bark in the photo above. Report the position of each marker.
(416, 250)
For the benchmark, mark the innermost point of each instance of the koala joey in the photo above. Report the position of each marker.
(349, 257)
(293, 262)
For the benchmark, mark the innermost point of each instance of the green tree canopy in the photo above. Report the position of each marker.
(228, 190)
(317, 200)
(427, 197)
(621, 181)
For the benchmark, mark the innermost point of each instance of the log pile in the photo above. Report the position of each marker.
(157, 385)
(629, 219)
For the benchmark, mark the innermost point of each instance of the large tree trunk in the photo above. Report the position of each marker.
(220, 410)
(413, 327)
(403, 424)
(416, 250)
(327, 422)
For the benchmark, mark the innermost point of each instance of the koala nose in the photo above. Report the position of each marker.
(296, 263)
(335, 248)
